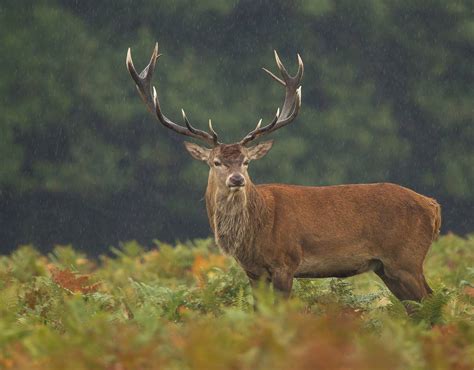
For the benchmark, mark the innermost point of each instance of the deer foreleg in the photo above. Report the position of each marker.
(282, 281)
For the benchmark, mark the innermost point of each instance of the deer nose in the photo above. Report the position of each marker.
(236, 179)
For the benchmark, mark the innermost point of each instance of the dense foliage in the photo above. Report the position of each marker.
(189, 307)
(387, 96)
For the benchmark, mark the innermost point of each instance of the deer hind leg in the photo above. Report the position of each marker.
(405, 285)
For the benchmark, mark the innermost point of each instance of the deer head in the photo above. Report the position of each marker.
(228, 162)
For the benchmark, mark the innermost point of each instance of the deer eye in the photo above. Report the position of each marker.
(217, 163)
(246, 163)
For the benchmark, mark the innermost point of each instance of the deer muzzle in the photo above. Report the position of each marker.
(235, 181)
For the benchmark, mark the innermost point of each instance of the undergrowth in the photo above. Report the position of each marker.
(189, 307)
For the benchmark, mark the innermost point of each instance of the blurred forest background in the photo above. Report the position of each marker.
(388, 95)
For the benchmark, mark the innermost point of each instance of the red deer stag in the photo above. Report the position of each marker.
(279, 232)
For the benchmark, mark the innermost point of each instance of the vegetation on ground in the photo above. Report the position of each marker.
(189, 307)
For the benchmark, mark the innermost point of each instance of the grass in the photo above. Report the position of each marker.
(189, 307)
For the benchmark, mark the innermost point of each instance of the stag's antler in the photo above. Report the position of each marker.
(143, 84)
(291, 105)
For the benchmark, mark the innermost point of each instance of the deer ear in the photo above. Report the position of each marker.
(197, 152)
(259, 150)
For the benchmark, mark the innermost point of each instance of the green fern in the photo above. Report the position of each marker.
(430, 309)
(241, 302)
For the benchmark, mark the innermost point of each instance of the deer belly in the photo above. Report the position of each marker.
(318, 267)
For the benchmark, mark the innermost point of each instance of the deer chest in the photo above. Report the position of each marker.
(231, 232)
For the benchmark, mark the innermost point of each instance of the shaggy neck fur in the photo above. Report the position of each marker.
(234, 217)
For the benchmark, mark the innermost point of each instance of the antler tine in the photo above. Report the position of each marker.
(150, 97)
(214, 134)
(291, 105)
(281, 67)
(299, 74)
(143, 80)
(188, 125)
(252, 134)
(279, 80)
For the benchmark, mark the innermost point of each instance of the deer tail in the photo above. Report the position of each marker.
(437, 219)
